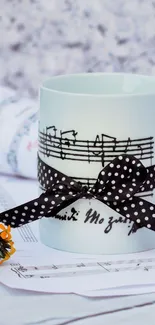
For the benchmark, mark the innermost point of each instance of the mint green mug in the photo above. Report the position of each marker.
(86, 120)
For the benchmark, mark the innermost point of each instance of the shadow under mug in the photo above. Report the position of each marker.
(88, 120)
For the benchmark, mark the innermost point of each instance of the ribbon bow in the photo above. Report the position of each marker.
(119, 186)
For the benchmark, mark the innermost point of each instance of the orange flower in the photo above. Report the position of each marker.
(6, 244)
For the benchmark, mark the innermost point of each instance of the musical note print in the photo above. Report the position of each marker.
(127, 145)
(103, 149)
(99, 143)
(144, 264)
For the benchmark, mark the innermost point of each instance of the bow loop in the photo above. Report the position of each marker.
(121, 179)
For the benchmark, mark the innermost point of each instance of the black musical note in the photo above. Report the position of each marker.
(88, 148)
(53, 128)
(100, 142)
(97, 143)
(141, 150)
(101, 145)
(44, 276)
(102, 150)
(81, 265)
(54, 267)
(20, 275)
(66, 142)
(21, 269)
(127, 145)
(48, 136)
(29, 276)
(62, 153)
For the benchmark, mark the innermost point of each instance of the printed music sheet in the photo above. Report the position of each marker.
(40, 268)
(18, 135)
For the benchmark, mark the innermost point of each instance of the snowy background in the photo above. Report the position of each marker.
(43, 38)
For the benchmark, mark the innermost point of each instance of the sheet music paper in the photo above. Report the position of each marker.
(40, 268)
(18, 135)
(6, 94)
(79, 275)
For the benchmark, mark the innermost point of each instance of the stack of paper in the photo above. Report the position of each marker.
(39, 268)
(35, 266)
(18, 135)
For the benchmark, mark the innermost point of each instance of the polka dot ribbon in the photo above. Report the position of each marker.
(119, 185)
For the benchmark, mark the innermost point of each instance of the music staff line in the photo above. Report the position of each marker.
(84, 143)
(85, 265)
(93, 151)
(26, 234)
(92, 160)
(96, 144)
(74, 140)
(82, 271)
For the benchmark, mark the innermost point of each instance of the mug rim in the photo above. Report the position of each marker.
(45, 87)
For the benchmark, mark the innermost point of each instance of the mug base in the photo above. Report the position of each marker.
(58, 235)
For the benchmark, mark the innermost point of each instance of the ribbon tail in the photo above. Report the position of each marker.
(136, 209)
(47, 205)
(142, 212)
(22, 214)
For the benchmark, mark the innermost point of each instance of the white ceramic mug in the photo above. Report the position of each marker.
(96, 117)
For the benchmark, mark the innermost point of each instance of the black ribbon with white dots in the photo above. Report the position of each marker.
(119, 186)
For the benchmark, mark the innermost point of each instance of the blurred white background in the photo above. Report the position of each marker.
(43, 38)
